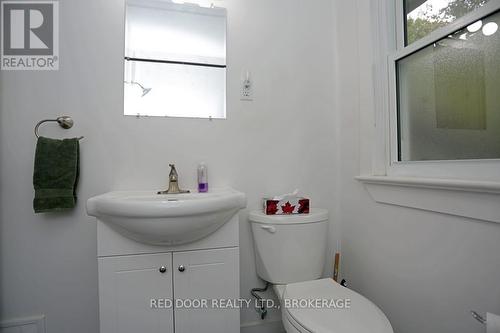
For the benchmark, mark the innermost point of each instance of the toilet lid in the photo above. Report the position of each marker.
(324, 306)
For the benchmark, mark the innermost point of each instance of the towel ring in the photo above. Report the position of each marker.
(65, 122)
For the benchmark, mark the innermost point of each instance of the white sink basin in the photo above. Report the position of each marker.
(169, 219)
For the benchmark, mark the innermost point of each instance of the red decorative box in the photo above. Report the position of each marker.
(286, 206)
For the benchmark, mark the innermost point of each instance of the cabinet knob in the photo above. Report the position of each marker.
(162, 269)
(182, 268)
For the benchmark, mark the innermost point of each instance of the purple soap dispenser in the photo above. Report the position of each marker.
(202, 178)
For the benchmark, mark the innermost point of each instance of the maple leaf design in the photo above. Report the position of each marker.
(271, 207)
(287, 208)
(304, 206)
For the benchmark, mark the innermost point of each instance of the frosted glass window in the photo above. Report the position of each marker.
(175, 60)
(424, 16)
(448, 100)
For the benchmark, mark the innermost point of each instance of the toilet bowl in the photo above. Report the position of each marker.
(338, 309)
(290, 253)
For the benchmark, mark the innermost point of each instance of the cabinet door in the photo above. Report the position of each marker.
(207, 274)
(132, 291)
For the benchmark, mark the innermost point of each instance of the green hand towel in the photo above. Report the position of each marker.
(56, 174)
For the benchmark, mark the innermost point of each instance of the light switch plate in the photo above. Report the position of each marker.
(246, 88)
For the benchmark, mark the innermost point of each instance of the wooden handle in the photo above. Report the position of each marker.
(336, 267)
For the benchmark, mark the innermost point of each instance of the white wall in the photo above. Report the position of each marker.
(284, 139)
(425, 270)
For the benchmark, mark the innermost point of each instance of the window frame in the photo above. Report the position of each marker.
(472, 169)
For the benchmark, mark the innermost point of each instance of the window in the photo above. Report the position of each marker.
(437, 119)
(446, 76)
(424, 16)
(175, 60)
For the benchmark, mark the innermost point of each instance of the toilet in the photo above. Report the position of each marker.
(290, 253)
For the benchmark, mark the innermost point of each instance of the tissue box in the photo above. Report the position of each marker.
(286, 206)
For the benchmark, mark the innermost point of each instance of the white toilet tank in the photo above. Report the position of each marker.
(290, 248)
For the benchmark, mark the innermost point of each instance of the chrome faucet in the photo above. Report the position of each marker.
(173, 183)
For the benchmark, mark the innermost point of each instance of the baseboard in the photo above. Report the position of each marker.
(273, 326)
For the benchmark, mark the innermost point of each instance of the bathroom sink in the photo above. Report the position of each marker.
(168, 219)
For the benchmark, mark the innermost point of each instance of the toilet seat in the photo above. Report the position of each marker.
(362, 316)
(291, 325)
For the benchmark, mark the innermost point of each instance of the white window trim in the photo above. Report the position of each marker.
(426, 185)
(486, 169)
(472, 199)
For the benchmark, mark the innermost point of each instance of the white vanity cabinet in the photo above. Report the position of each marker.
(208, 275)
(137, 281)
(126, 287)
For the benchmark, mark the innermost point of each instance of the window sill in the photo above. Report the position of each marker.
(473, 199)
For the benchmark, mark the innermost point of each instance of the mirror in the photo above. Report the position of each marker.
(175, 60)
